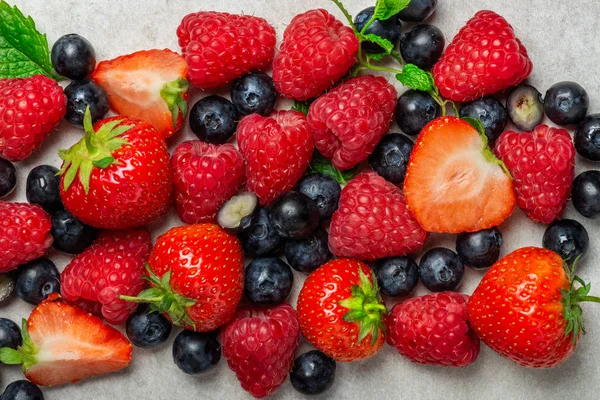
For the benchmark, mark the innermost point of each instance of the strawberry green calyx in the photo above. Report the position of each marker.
(366, 308)
(24, 354)
(487, 151)
(172, 93)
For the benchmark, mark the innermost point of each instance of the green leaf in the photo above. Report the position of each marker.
(475, 123)
(11, 356)
(301, 106)
(354, 316)
(352, 303)
(385, 44)
(377, 56)
(415, 78)
(386, 9)
(345, 12)
(105, 162)
(320, 164)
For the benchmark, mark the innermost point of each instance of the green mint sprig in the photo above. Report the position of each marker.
(320, 164)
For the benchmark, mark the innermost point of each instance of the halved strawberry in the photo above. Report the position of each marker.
(149, 85)
(454, 183)
(63, 344)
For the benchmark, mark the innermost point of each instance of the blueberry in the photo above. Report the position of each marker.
(323, 190)
(260, 239)
(80, 96)
(587, 137)
(294, 215)
(313, 373)
(36, 280)
(308, 254)
(441, 269)
(43, 188)
(254, 94)
(268, 281)
(525, 107)
(479, 249)
(585, 194)
(490, 112)
(422, 46)
(566, 103)
(418, 10)
(7, 287)
(22, 390)
(396, 276)
(214, 119)
(8, 177)
(70, 235)
(196, 352)
(414, 110)
(239, 212)
(390, 157)
(146, 328)
(73, 57)
(568, 238)
(389, 29)
(10, 334)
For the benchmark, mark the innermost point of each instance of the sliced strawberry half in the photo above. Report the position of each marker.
(149, 85)
(454, 183)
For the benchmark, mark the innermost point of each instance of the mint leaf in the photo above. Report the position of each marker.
(301, 106)
(386, 9)
(320, 164)
(385, 44)
(415, 78)
(24, 51)
(377, 56)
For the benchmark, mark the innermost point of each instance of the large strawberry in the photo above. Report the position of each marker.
(118, 176)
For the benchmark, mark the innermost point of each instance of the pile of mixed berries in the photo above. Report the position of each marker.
(322, 189)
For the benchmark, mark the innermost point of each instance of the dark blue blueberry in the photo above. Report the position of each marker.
(73, 57)
(568, 238)
(479, 249)
(390, 157)
(566, 103)
(418, 10)
(261, 238)
(214, 119)
(414, 110)
(70, 235)
(422, 46)
(294, 215)
(10, 334)
(196, 352)
(254, 94)
(308, 254)
(323, 190)
(587, 138)
(268, 281)
(313, 373)
(22, 390)
(585, 194)
(8, 177)
(146, 328)
(441, 270)
(389, 29)
(80, 96)
(396, 276)
(7, 286)
(490, 112)
(43, 188)
(36, 280)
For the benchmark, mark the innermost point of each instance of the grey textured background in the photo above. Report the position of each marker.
(564, 44)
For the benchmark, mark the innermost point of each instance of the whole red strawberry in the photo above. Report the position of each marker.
(118, 176)
(341, 312)
(542, 163)
(220, 47)
(197, 276)
(112, 266)
(485, 57)
(277, 148)
(317, 50)
(30, 108)
(434, 329)
(260, 345)
(372, 221)
(349, 121)
(205, 177)
(24, 234)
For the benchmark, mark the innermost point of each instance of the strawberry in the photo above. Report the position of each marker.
(349, 120)
(205, 177)
(63, 344)
(485, 57)
(542, 163)
(197, 276)
(149, 85)
(118, 176)
(317, 50)
(434, 329)
(220, 47)
(372, 221)
(278, 149)
(527, 308)
(341, 312)
(113, 265)
(24, 234)
(259, 345)
(30, 108)
(453, 182)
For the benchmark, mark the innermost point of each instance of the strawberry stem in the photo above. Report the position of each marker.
(173, 94)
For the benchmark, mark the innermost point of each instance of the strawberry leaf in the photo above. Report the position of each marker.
(386, 9)
(415, 78)
(320, 164)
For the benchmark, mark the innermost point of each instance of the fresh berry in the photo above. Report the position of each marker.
(390, 157)
(313, 373)
(587, 138)
(566, 103)
(485, 57)
(24, 234)
(323, 190)
(422, 46)
(31, 109)
(63, 344)
(490, 112)
(585, 194)
(73, 57)
(396, 276)
(294, 215)
(36, 280)
(239, 212)
(8, 177)
(568, 238)
(441, 270)
(390, 29)
(434, 329)
(278, 149)
(118, 176)
(70, 235)
(84, 94)
(542, 163)
(220, 47)
(113, 266)
(7, 287)
(261, 238)
(205, 176)
(525, 107)
(308, 254)
(349, 120)
(10, 334)
(479, 249)
(418, 10)
(453, 182)
(22, 390)
(341, 312)
(147, 328)
(214, 119)
(268, 281)
(414, 110)
(254, 94)
(43, 188)
(259, 345)
(196, 352)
